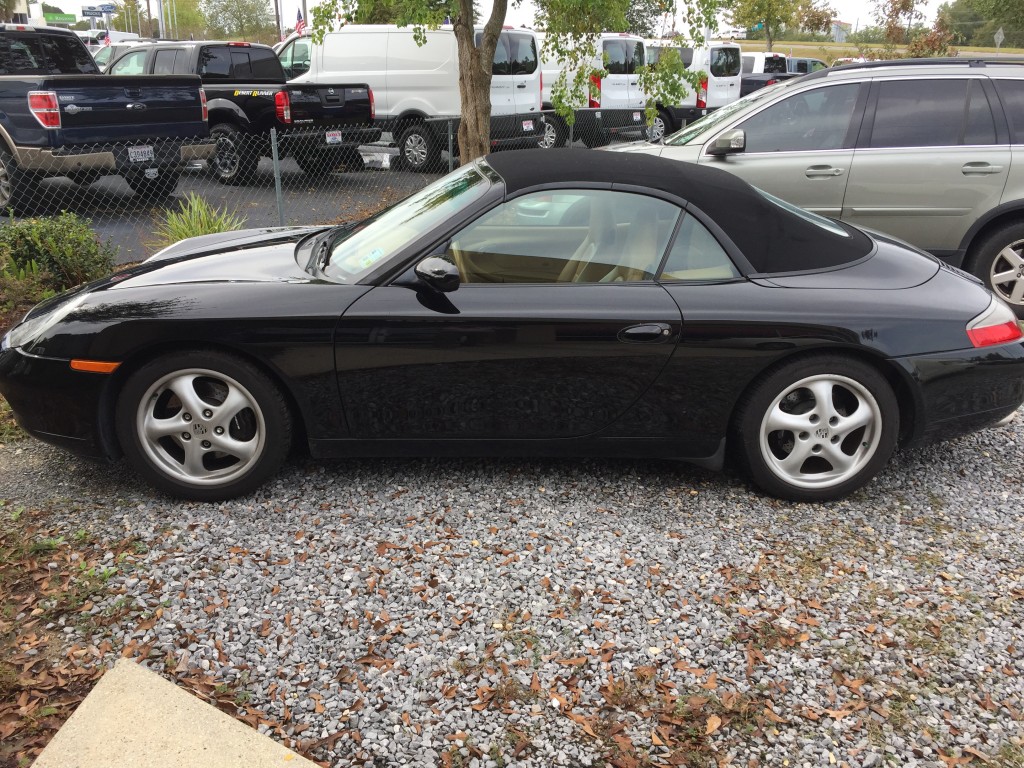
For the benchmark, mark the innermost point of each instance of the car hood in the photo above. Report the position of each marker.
(224, 241)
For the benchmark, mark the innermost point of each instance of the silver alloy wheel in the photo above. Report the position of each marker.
(656, 133)
(1006, 276)
(200, 427)
(550, 137)
(6, 187)
(820, 431)
(416, 149)
(226, 159)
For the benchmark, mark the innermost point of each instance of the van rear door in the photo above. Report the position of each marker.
(503, 100)
(724, 66)
(525, 72)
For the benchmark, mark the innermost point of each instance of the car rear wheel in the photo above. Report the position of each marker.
(999, 261)
(233, 162)
(418, 150)
(203, 425)
(16, 186)
(817, 428)
(554, 133)
(156, 189)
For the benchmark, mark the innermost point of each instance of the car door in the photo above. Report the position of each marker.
(800, 147)
(929, 163)
(525, 72)
(556, 329)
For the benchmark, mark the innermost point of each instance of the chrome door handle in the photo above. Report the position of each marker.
(980, 169)
(823, 171)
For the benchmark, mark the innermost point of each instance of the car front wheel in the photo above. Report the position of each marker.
(999, 261)
(817, 429)
(203, 425)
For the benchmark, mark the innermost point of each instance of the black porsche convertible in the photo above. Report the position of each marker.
(530, 303)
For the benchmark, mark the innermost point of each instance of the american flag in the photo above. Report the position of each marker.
(300, 23)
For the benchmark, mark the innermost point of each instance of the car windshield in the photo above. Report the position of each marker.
(357, 251)
(719, 116)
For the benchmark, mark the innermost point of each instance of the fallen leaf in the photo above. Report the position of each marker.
(713, 724)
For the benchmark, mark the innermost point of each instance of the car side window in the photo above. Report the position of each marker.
(215, 63)
(981, 126)
(1011, 94)
(132, 64)
(805, 122)
(523, 50)
(163, 62)
(566, 236)
(919, 113)
(696, 256)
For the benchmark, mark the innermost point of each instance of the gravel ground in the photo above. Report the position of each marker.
(485, 613)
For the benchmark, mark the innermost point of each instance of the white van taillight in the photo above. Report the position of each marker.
(595, 96)
(996, 325)
(206, 109)
(373, 107)
(702, 95)
(283, 106)
(44, 107)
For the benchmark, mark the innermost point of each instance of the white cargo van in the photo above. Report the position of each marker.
(413, 83)
(721, 63)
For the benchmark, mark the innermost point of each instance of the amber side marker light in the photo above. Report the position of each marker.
(94, 366)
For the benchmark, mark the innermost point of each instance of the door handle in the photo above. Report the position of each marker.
(980, 169)
(521, 85)
(646, 333)
(823, 171)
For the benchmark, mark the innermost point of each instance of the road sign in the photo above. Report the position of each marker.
(87, 12)
(60, 18)
(999, 37)
(108, 8)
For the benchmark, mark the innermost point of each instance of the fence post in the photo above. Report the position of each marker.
(571, 126)
(451, 160)
(277, 176)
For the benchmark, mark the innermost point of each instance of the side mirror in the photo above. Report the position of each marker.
(441, 275)
(728, 143)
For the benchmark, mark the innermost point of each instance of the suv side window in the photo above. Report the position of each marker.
(981, 126)
(132, 64)
(1011, 93)
(812, 120)
(163, 62)
(926, 113)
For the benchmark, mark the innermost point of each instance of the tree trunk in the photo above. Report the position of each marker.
(475, 65)
(767, 36)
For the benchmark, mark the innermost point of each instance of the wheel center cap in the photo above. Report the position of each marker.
(199, 429)
(822, 433)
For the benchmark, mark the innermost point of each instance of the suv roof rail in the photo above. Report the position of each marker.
(970, 61)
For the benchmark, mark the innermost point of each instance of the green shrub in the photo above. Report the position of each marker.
(22, 286)
(195, 217)
(64, 250)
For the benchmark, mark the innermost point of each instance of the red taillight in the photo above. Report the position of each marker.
(373, 106)
(283, 106)
(702, 95)
(239, 45)
(206, 109)
(43, 106)
(595, 96)
(996, 325)
(771, 82)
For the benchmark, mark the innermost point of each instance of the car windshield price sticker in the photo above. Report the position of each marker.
(140, 154)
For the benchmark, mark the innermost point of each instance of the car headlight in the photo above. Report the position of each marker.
(32, 327)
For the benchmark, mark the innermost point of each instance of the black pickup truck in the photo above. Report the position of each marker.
(321, 126)
(60, 117)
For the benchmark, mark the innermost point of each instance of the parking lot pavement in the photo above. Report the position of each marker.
(437, 612)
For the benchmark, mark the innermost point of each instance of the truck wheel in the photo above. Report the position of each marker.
(154, 190)
(234, 162)
(418, 150)
(999, 261)
(661, 127)
(553, 134)
(17, 187)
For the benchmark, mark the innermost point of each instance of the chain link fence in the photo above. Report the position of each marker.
(286, 178)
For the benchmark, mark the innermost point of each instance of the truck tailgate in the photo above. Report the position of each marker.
(127, 108)
(326, 105)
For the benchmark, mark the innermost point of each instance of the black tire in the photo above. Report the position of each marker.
(17, 187)
(418, 149)
(827, 453)
(254, 429)
(595, 138)
(235, 159)
(553, 133)
(85, 178)
(1002, 253)
(154, 190)
(661, 128)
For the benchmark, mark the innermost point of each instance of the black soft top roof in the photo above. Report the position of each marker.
(772, 238)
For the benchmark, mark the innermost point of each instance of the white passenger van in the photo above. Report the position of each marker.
(413, 83)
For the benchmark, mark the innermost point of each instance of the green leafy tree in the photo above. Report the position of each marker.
(47, 8)
(1008, 14)
(242, 19)
(934, 42)
(814, 16)
(897, 17)
(643, 17)
(773, 15)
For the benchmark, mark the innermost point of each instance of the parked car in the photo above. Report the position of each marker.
(60, 117)
(920, 149)
(412, 83)
(799, 65)
(447, 326)
(761, 69)
(107, 53)
(248, 95)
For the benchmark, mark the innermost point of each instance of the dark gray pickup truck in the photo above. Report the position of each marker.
(60, 117)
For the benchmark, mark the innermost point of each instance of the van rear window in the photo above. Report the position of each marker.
(725, 62)
(774, 64)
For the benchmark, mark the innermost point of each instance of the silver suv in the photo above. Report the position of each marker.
(930, 151)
